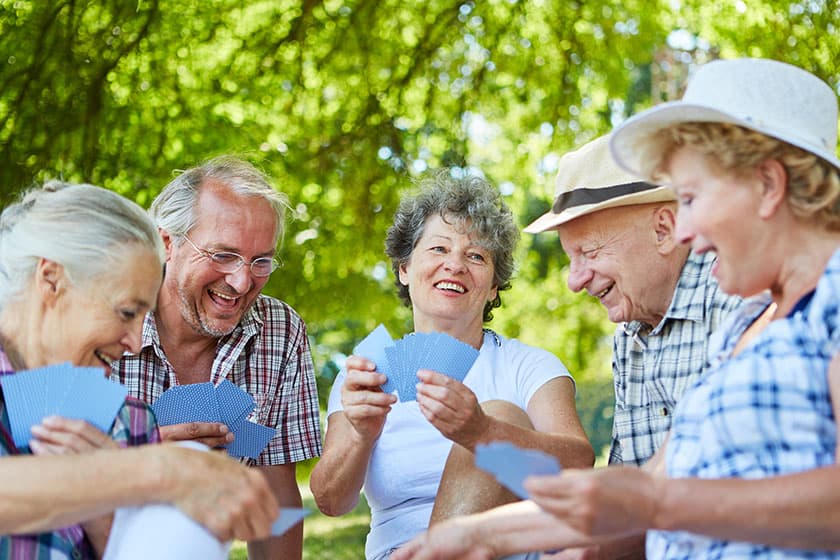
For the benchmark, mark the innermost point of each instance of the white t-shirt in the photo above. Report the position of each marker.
(408, 459)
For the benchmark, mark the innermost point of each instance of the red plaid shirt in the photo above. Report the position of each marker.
(268, 356)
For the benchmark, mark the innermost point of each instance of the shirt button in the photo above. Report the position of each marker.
(76, 554)
(664, 411)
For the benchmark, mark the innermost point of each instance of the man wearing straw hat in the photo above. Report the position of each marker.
(618, 232)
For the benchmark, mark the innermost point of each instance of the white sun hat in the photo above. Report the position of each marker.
(588, 180)
(768, 96)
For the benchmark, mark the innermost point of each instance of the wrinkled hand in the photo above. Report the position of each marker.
(231, 500)
(64, 436)
(451, 407)
(455, 539)
(211, 434)
(612, 501)
(365, 405)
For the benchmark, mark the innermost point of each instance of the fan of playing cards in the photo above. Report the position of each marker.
(65, 390)
(225, 403)
(399, 360)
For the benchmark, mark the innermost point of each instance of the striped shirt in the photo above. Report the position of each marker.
(134, 425)
(653, 366)
(762, 413)
(268, 356)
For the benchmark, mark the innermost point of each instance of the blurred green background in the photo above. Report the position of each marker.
(344, 103)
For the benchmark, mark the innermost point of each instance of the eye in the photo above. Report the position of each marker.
(477, 257)
(437, 249)
(127, 314)
(225, 258)
(685, 200)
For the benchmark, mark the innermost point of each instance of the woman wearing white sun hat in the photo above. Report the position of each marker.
(749, 151)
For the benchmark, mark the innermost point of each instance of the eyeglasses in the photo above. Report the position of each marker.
(228, 263)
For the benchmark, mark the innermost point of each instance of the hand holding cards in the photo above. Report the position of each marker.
(64, 390)
(399, 360)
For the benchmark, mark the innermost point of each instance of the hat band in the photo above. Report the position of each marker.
(581, 196)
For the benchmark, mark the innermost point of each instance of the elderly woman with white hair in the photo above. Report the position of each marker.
(80, 266)
(750, 464)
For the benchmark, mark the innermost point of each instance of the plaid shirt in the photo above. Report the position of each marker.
(134, 425)
(765, 412)
(653, 366)
(268, 356)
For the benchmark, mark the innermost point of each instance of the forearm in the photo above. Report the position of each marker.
(792, 511)
(44, 493)
(339, 475)
(524, 527)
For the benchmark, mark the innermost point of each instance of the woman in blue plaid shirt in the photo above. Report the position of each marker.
(750, 468)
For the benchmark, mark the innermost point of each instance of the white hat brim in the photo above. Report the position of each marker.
(626, 138)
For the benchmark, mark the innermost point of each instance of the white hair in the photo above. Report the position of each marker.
(84, 228)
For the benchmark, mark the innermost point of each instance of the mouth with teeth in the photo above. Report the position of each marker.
(604, 292)
(104, 358)
(450, 287)
(223, 300)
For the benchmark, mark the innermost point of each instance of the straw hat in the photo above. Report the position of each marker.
(770, 97)
(588, 181)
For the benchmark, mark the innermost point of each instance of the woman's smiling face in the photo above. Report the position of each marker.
(449, 276)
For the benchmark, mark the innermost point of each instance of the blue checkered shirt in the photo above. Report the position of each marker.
(653, 366)
(762, 413)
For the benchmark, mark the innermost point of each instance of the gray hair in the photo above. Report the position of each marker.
(471, 202)
(85, 229)
(174, 208)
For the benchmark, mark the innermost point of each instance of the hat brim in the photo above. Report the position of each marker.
(550, 220)
(627, 137)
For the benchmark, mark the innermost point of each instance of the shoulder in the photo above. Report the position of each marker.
(511, 351)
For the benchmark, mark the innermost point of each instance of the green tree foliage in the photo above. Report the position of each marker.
(344, 102)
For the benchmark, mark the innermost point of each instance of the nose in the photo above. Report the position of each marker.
(454, 262)
(684, 231)
(240, 280)
(580, 274)
(133, 337)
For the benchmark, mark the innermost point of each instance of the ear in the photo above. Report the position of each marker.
(50, 280)
(167, 242)
(664, 226)
(404, 274)
(774, 178)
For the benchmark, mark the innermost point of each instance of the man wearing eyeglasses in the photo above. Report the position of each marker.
(221, 223)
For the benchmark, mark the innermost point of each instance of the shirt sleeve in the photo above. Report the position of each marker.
(135, 424)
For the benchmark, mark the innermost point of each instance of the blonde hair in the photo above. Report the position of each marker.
(813, 186)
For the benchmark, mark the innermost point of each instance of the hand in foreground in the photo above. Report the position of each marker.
(451, 407)
(612, 501)
(211, 434)
(59, 436)
(455, 539)
(231, 500)
(365, 405)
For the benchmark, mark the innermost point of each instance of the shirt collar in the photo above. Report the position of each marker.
(689, 295)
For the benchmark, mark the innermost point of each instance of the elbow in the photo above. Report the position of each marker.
(332, 507)
(329, 500)
(583, 456)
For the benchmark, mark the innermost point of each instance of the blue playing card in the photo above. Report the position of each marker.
(511, 465)
(187, 403)
(288, 518)
(92, 398)
(249, 439)
(60, 390)
(234, 403)
(373, 347)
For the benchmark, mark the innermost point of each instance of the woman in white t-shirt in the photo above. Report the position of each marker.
(451, 247)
